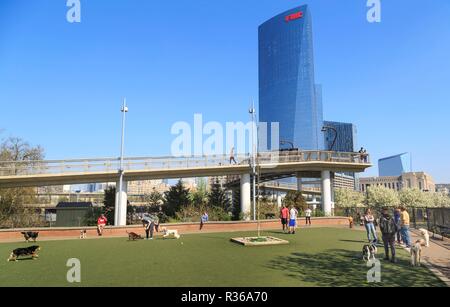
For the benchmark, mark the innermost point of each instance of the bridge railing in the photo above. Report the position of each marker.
(17, 168)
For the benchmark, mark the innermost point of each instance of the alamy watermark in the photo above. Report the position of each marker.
(374, 273)
(213, 138)
(374, 12)
(74, 273)
(74, 12)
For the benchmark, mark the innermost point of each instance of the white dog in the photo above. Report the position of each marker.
(167, 232)
(416, 253)
(426, 236)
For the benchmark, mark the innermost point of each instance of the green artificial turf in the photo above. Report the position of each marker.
(314, 257)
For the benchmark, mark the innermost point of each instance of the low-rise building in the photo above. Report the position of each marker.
(443, 188)
(344, 181)
(413, 180)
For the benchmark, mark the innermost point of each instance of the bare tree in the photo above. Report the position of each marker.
(12, 212)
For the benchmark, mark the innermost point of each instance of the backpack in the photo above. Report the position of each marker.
(388, 225)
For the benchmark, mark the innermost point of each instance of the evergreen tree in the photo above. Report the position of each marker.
(296, 199)
(217, 197)
(175, 199)
(109, 203)
(236, 210)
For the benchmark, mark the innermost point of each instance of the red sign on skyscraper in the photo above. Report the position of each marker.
(294, 16)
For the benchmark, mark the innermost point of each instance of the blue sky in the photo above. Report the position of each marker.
(61, 84)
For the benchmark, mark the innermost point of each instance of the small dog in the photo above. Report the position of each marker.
(83, 234)
(29, 251)
(29, 235)
(167, 232)
(416, 253)
(369, 252)
(426, 236)
(134, 236)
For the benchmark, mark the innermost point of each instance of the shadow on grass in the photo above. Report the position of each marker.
(355, 241)
(24, 259)
(343, 268)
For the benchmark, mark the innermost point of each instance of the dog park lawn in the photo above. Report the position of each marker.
(314, 257)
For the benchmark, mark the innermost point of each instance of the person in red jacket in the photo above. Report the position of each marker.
(284, 215)
(101, 223)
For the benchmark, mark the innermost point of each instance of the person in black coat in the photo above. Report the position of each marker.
(388, 229)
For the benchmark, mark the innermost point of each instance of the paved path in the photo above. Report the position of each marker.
(437, 256)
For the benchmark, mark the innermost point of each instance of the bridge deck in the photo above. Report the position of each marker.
(60, 172)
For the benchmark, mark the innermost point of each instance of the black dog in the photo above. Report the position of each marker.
(28, 251)
(29, 235)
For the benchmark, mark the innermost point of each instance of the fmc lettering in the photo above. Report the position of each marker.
(294, 16)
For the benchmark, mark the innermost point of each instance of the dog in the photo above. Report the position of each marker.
(167, 232)
(426, 236)
(134, 236)
(28, 251)
(416, 253)
(83, 234)
(29, 235)
(369, 252)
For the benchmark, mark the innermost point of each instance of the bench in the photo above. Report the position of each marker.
(442, 230)
(270, 216)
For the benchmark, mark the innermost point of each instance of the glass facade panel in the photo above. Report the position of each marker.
(287, 90)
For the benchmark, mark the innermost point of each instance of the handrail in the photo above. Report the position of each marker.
(16, 168)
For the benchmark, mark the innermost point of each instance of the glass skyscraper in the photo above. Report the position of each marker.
(287, 90)
(395, 165)
(346, 137)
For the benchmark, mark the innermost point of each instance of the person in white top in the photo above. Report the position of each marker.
(308, 213)
(293, 213)
(232, 158)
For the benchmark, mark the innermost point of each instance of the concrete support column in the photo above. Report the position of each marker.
(279, 200)
(326, 192)
(299, 184)
(246, 202)
(120, 213)
(314, 201)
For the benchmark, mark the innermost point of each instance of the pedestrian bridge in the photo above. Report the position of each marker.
(79, 171)
(268, 164)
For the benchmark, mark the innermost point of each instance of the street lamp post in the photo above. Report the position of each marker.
(118, 213)
(283, 142)
(252, 112)
(325, 129)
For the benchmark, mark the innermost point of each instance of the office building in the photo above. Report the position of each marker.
(394, 165)
(288, 93)
(412, 180)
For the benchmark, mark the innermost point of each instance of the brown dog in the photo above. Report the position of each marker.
(134, 236)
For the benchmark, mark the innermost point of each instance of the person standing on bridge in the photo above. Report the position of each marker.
(232, 158)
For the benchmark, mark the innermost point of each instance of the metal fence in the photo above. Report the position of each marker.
(435, 220)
